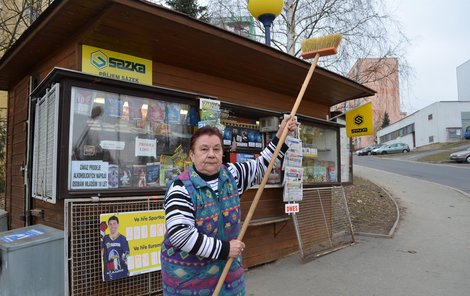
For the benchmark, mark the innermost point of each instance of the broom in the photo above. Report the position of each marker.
(314, 47)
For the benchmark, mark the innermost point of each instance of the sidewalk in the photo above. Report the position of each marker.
(428, 256)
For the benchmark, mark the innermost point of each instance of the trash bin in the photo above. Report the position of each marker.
(32, 261)
(3, 220)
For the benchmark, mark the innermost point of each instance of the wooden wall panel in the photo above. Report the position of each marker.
(268, 242)
(229, 91)
(14, 214)
(16, 151)
(53, 213)
(67, 58)
(18, 98)
(270, 203)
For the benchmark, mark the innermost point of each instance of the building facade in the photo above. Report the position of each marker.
(440, 122)
(463, 79)
(380, 75)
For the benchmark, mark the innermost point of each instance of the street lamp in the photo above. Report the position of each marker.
(266, 11)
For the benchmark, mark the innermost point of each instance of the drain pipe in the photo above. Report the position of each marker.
(26, 168)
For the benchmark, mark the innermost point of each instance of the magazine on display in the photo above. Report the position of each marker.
(293, 191)
(293, 171)
(210, 114)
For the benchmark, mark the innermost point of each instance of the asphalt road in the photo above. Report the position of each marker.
(427, 256)
(454, 175)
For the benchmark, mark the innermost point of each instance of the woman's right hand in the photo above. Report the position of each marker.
(291, 124)
(236, 248)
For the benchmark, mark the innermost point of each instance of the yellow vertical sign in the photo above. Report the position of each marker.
(131, 243)
(115, 65)
(359, 122)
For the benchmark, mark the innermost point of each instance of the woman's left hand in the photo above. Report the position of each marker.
(236, 248)
(291, 124)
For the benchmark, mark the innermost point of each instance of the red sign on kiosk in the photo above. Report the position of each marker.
(292, 208)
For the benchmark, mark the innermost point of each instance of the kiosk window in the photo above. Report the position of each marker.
(122, 141)
(320, 154)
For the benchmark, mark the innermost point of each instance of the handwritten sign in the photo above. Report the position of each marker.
(145, 147)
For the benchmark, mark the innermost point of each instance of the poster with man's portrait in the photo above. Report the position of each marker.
(131, 243)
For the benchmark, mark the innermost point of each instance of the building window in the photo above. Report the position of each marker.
(430, 117)
(431, 139)
(454, 133)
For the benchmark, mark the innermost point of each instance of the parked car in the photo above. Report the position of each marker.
(367, 150)
(392, 148)
(461, 156)
(467, 133)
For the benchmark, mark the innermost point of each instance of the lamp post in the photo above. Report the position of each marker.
(266, 11)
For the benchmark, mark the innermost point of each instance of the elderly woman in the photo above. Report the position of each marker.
(202, 209)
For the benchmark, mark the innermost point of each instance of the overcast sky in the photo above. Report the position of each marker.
(440, 41)
(439, 31)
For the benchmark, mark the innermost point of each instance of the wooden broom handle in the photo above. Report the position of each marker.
(254, 204)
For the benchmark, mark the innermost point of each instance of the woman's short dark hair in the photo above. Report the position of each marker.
(207, 130)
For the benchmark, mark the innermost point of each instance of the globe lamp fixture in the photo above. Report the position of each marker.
(266, 11)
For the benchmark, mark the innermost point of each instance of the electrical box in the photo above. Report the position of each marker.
(3, 220)
(32, 261)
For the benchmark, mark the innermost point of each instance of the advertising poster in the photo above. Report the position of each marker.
(131, 243)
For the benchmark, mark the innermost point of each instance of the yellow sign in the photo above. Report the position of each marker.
(131, 243)
(359, 122)
(115, 65)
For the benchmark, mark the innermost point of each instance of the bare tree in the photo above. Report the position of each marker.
(15, 17)
(368, 31)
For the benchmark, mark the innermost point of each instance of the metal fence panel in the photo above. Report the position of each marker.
(323, 223)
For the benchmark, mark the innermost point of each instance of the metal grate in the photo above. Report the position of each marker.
(82, 220)
(323, 224)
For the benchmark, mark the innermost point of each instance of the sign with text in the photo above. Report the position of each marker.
(131, 243)
(9, 238)
(359, 122)
(292, 208)
(113, 145)
(145, 147)
(90, 174)
(116, 65)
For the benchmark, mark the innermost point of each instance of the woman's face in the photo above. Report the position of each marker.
(207, 154)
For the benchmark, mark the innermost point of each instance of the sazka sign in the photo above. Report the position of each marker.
(359, 121)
